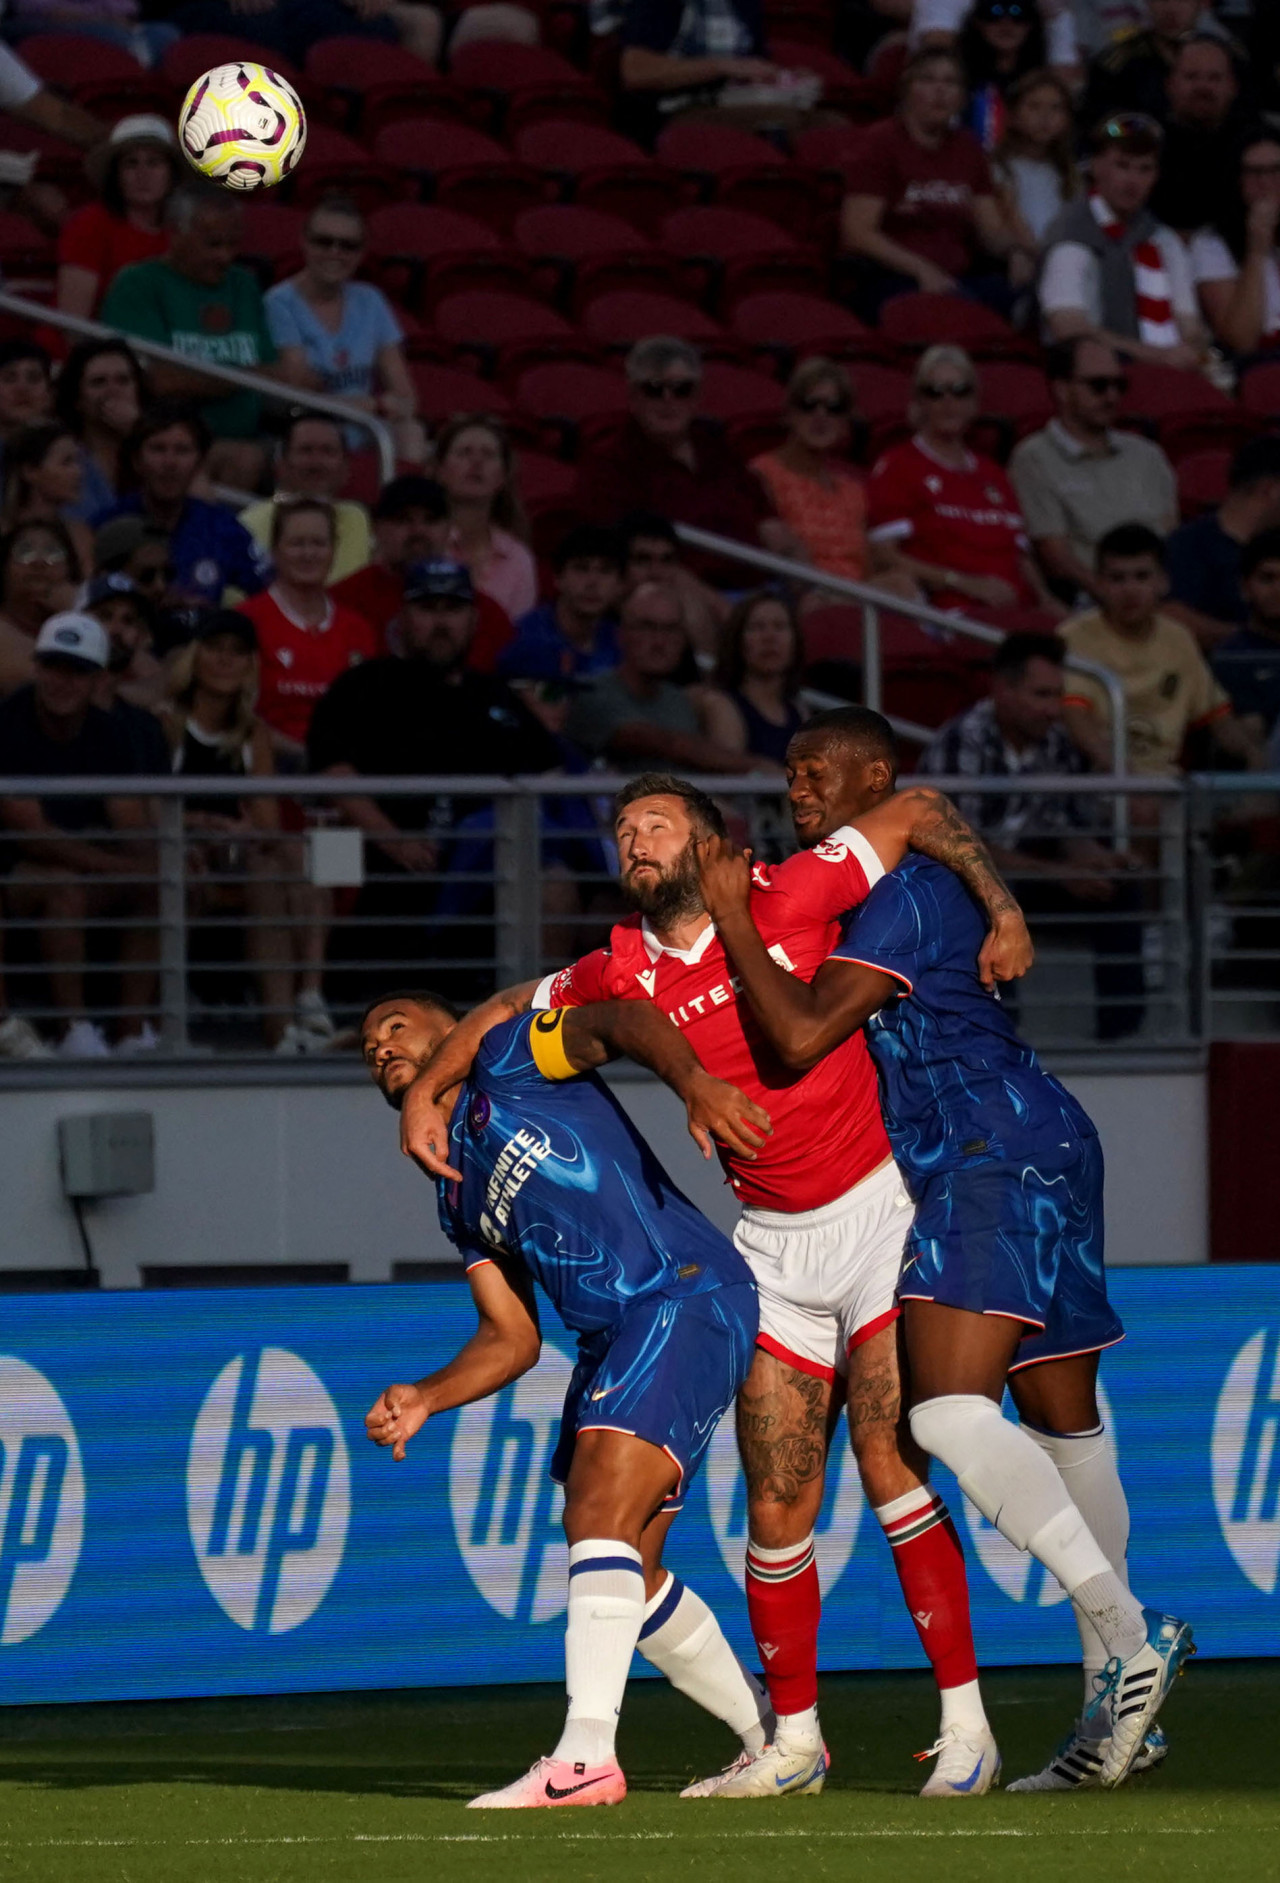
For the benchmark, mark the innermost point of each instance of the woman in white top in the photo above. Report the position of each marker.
(476, 471)
(340, 336)
(1034, 161)
(1237, 266)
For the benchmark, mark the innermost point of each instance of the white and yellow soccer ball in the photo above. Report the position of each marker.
(243, 126)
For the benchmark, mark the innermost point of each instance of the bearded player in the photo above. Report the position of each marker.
(824, 1222)
(553, 1183)
(1004, 1281)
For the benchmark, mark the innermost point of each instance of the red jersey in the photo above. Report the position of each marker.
(966, 519)
(298, 664)
(827, 1130)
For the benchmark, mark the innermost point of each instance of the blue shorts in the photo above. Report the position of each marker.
(667, 1372)
(1019, 1238)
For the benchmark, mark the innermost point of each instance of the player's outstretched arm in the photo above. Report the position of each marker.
(505, 1344)
(596, 1033)
(802, 1022)
(920, 818)
(424, 1131)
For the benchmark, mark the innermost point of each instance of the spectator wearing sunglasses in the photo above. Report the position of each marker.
(1236, 264)
(1000, 42)
(339, 336)
(1111, 269)
(938, 26)
(1078, 475)
(672, 461)
(809, 480)
(943, 516)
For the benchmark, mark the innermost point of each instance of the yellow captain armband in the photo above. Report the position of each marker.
(546, 1042)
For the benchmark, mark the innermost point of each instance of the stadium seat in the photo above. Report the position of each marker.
(1016, 393)
(419, 253)
(336, 165)
(578, 253)
(509, 331)
(799, 324)
(748, 405)
(618, 320)
(916, 321)
(742, 171)
(844, 88)
(800, 23)
(884, 67)
(195, 53)
(605, 171)
(543, 481)
(464, 170)
(60, 162)
(24, 249)
(523, 85)
(882, 392)
(1160, 392)
(1202, 482)
(1260, 391)
(829, 150)
(445, 392)
(577, 408)
(362, 84)
(103, 78)
(728, 254)
(272, 242)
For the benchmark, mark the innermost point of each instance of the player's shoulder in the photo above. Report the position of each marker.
(505, 1048)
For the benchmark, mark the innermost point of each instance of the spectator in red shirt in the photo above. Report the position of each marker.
(944, 516)
(924, 213)
(671, 461)
(411, 525)
(305, 637)
(134, 173)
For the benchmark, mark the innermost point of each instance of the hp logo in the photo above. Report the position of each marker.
(506, 1510)
(1246, 1459)
(1012, 1570)
(268, 1490)
(41, 1501)
(835, 1532)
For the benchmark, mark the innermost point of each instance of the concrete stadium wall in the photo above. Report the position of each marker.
(310, 1171)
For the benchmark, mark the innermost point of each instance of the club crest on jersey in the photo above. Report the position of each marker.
(830, 851)
(480, 1112)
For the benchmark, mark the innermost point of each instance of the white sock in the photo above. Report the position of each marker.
(962, 1706)
(606, 1608)
(1019, 1489)
(799, 1732)
(683, 1640)
(1088, 1468)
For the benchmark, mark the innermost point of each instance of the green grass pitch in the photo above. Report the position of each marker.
(338, 1787)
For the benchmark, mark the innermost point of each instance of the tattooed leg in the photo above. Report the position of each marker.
(785, 1419)
(890, 1462)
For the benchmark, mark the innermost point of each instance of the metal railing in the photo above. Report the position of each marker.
(261, 383)
(221, 920)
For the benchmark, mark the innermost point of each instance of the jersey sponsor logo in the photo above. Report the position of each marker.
(285, 656)
(834, 1534)
(516, 1162)
(505, 1508)
(723, 994)
(41, 1501)
(1246, 1459)
(479, 1112)
(829, 851)
(648, 979)
(1013, 1571)
(268, 1491)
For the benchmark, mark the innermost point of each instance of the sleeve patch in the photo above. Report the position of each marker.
(546, 1043)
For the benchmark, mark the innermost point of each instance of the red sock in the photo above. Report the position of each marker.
(784, 1604)
(930, 1565)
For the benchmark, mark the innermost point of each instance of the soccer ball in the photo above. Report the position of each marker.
(243, 126)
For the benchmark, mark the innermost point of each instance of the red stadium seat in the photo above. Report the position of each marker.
(830, 150)
(60, 162)
(729, 254)
(524, 85)
(1016, 393)
(844, 89)
(272, 242)
(606, 172)
(1160, 392)
(884, 67)
(618, 320)
(507, 330)
(419, 254)
(543, 481)
(578, 253)
(445, 393)
(24, 249)
(802, 324)
(883, 393)
(747, 404)
(336, 164)
(196, 53)
(1202, 482)
(742, 171)
(915, 321)
(464, 170)
(1260, 391)
(101, 77)
(577, 408)
(365, 83)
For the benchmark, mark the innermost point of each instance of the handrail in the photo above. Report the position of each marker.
(874, 600)
(260, 383)
(581, 785)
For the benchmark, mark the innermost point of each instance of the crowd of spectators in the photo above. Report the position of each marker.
(197, 578)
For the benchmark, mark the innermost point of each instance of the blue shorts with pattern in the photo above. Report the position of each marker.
(1023, 1238)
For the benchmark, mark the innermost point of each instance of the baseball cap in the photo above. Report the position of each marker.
(105, 588)
(78, 639)
(226, 621)
(442, 577)
(410, 492)
(141, 127)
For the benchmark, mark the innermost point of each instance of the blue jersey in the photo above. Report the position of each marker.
(554, 1171)
(957, 1085)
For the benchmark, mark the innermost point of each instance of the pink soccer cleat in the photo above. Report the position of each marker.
(557, 1782)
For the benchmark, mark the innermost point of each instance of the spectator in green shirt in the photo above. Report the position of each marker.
(197, 300)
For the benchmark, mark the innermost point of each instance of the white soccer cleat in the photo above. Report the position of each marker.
(773, 1772)
(1134, 1690)
(551, 1782)
(968, 1764)
(1077, 1764)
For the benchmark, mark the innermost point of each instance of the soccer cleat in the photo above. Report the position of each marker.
(1077, 1764)
(772, 1773)
(1135, 1689)
(557, 1782)
(968, 1764)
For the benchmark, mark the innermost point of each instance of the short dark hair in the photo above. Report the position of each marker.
(865, 732)
(1016, 652)
(410, 491)
(1264, 547)
(1061, 357)
(1257, 460)
(1129, 539)
(587, 539)
(284, 512)
(11, 351)
(161, 416)
(300, 416)
(648, 523)
(424, 997)
(704, 813)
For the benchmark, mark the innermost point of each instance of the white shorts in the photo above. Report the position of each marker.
(828, 1278)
